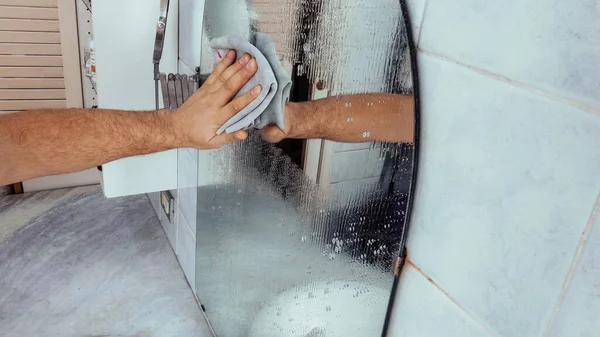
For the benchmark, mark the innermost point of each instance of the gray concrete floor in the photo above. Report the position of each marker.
(73, 263)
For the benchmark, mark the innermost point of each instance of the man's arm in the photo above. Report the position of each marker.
(349, 119)
(47, 142)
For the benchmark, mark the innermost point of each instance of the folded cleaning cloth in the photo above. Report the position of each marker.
(269, 107)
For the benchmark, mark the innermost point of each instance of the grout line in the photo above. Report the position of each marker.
(576, 260)
(554, 97)
(417, 43)
(472, 316)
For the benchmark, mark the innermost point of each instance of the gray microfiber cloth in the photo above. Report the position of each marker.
(269, 107)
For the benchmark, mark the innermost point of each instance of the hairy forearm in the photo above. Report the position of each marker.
(355, 118)
(47, 142)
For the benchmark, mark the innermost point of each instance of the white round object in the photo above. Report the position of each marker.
(324, 309)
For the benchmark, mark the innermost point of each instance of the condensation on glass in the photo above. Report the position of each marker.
(278, 255)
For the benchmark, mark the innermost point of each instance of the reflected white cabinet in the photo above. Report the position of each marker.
(124, 34)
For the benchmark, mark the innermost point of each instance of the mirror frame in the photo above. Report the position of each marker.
(402, 254)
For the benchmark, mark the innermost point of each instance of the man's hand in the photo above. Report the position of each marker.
(209, 108)
(46, 142)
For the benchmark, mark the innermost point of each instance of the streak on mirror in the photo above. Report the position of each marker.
(298, 238)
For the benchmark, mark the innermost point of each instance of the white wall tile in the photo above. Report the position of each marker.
(422, 310)
(193, 153)
(186, 251)
(155, 201)
(507, 182)
(187, 190)
(184, 68)
(415, 10)
(578, 315)
(551, 45)
(190, 31)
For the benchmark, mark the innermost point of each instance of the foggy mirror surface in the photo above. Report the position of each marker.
(284, 249)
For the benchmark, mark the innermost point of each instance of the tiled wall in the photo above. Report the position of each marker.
(187, 191)
(181, 232)
(505, 238)
(190, 23)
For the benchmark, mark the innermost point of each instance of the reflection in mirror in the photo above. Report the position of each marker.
(297, 237)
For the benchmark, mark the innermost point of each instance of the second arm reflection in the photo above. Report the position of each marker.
(349, 119)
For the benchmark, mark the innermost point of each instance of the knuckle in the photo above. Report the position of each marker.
(219, 68)
(238, 105)
(233, 84)
(247, 73)
(210, 80)
(246, 100)
(236, 66)
(227, 85)
(228, 73)
(214, 88)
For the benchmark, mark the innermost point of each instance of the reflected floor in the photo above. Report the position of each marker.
(289, 273)
(76, 264)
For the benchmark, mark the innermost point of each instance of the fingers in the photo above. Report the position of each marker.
(226, 138)
(221, 67)
(232, 85)
(225, 75)
(238, 104)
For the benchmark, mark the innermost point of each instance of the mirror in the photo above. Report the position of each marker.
(299, 238)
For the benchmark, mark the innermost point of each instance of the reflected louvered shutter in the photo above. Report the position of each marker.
(32, 67)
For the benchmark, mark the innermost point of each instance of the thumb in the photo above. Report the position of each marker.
(272, 134)
(239, 135)
(226, 138)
